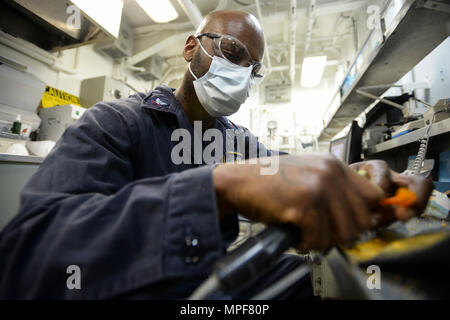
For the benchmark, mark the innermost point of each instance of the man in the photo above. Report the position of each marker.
(109, 214)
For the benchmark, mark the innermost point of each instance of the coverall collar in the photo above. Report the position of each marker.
(162, 99)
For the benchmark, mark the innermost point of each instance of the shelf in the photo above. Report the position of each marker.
(438, 128)
(7, 157)
(415, 32)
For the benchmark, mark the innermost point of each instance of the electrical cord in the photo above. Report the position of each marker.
(207, 288)
(372, 96)
(247, 262)
(418, 161)
(277, 288)
(422, 102)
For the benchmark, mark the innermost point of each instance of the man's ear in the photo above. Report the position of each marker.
(189, 48)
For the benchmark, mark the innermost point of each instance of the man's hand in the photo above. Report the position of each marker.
(380, 174)
(329, 202)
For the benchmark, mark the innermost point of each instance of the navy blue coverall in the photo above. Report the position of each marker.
(109, 199)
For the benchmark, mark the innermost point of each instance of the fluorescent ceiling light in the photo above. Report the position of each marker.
(106, 13)
(160, 11)
(312, 70)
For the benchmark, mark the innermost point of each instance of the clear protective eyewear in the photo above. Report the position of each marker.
(233, 50)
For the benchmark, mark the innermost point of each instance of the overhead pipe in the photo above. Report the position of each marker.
(333, 7)
(266, 47)
(297, 66)
(134, 68)
(145, 30)
(174, 76)
(34, 52)
(293, 15)
(148, 52)
(311, 18)
(192, 12)
(171, 72)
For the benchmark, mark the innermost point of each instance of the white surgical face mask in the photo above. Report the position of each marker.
(225, 86)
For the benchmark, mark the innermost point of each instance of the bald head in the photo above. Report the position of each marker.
(242, 25)
(197, 52)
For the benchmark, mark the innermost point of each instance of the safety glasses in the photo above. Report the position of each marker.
(236, 52)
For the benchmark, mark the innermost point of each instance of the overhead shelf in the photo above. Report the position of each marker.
(418, 28)
(6, 157)
(436, 129)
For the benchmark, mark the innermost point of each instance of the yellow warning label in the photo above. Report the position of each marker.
(54, 97)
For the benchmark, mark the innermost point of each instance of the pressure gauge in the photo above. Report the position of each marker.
(271, 125)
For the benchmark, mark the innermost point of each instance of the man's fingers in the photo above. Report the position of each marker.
(379, 174)
(359, 208)
(404, 214)
(316, 237)
(314, 226)
(377, 171)
(369, 191)
(325, 238)
(421, 186)
(384, 216)
(344, 227)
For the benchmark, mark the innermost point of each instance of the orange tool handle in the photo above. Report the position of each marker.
(403, 197)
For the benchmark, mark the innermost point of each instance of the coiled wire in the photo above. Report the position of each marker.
(418, 161)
